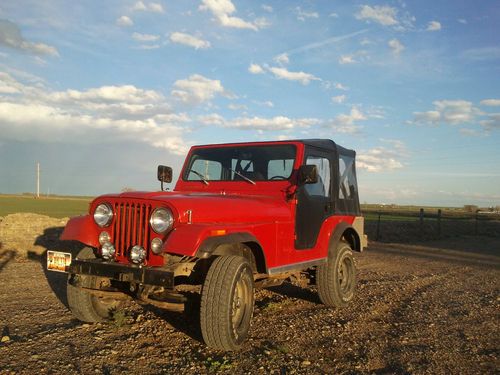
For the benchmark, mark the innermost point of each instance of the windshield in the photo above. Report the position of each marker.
(241, 163)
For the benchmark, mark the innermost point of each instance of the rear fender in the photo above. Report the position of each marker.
(82, 229)
(350, 234)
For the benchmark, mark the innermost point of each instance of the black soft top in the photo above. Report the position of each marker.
(329, 145)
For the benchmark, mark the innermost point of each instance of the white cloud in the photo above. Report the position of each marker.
(302, 15)
(382, 158)
(212, 119)
(266, 103)
(492, 121)
(145, 37)
(267, 8)
(340, 86)
(491, 102)
(105, 114)
(10, 36)
(148, 7)
(434, 26)
(282, 59)
(270, 124)
(347, 123)
(189, 40)
(396, 46)
(453, 112)
(124, 21)
(197, 89)
(222, 10)
(302, 77)
(382, 14)
(346, 59)
(463, 21)
(482, 53)
(276, 123)
(339, 99)
(429, 117)
(237, 107)
(333, 15)
(255, 69)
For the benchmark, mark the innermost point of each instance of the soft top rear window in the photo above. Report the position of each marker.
(257, 163)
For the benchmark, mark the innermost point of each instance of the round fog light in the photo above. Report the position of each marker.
(137, 254)
(156, 245)
(104, 237)
(107, 250)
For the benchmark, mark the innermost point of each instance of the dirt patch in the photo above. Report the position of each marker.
(430, 307)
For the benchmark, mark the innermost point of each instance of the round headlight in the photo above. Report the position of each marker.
(156, 245)
(137, 254)
(103, 215)
(161, 220)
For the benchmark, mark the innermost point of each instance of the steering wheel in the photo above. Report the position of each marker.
(277, 178)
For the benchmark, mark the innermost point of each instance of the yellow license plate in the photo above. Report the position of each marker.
(58, 261)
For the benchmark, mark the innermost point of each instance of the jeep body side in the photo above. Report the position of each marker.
(240, 216)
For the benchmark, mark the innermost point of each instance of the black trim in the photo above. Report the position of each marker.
(337, 234)
(120, 272)
(209, 245)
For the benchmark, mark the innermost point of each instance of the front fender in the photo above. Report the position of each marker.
(82, 229)
(194, 239)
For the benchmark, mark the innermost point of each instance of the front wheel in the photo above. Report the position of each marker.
(227, 302)
(336, 279)
(85, 306)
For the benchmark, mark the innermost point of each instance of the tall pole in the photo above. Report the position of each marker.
(38, 180)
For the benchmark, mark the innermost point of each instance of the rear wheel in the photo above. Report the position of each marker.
(84, 305)
(336, 279)
(227, 301)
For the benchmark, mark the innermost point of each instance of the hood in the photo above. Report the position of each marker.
(215, 208)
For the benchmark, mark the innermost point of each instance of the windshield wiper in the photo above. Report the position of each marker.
(205, 181)
(242, 176)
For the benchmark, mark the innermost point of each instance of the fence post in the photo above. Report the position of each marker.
(475, 223)
(378, 227)
(421, 221)
(439, 223)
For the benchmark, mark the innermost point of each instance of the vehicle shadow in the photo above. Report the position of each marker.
(187, 322)
(6, 256)
(49, 240)
(294, 291)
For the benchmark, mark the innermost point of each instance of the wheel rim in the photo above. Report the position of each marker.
(345, 275)
(241, 304)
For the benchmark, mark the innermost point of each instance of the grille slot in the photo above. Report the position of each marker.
(130, 227)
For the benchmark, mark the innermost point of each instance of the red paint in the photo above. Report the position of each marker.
(264, 210)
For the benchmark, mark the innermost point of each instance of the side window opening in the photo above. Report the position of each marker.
(322, 187)
(347, 178)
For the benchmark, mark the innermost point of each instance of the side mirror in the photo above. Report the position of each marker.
(308, 174)
(164, 174)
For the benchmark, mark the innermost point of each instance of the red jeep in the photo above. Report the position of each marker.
(241, 216)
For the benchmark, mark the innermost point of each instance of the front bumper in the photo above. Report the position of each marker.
(121, 272)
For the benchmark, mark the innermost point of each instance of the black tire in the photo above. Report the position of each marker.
(85, 306)
(227, 302)
(336, 279)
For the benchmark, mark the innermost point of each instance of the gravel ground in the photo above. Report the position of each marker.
(427, 308)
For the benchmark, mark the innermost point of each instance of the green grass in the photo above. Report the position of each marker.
(52, 206)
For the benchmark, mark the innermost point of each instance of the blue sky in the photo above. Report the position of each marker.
(101, 92)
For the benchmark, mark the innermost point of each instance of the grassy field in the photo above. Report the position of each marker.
(52, 206)
(62, 206)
